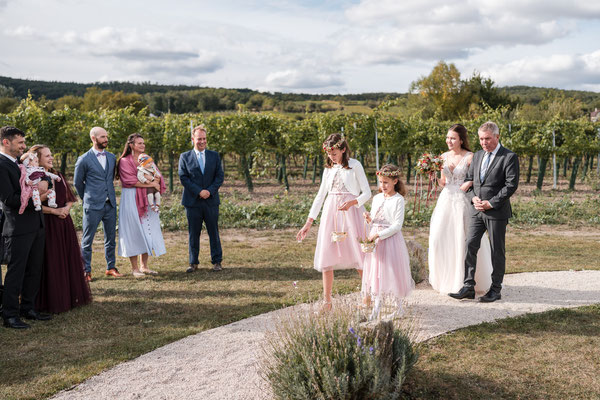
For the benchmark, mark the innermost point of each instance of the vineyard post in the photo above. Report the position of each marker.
(555, 185)
(376, 146)
(598, 163)
(171, 167)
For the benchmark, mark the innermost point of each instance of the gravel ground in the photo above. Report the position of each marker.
(221, 363)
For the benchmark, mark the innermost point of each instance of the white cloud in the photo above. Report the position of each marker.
(559, 70)
(395, 32)
(303, 79)
(332, 46)
(149, 54)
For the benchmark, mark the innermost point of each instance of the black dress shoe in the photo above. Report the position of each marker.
(15, 323)
(465, 292)
(490, 296)
(32, 314)
(217, 267)
(192, 268)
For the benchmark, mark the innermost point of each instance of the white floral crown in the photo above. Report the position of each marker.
(393, 174)
(333, 146)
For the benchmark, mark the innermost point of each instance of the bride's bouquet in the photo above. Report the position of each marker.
(428, 165)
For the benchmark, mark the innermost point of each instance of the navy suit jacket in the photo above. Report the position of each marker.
(500, 182)
(95, 184)
(194, 181)
(10, 196)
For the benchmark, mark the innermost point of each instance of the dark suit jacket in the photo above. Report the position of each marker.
(10, 195)
(500, 182)
(95, 184)
(194, 181)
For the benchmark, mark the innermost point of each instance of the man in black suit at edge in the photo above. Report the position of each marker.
(23, 236)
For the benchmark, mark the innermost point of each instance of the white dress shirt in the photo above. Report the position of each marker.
(102, 158)
(203, 155)
(11, 158)
(491, 157)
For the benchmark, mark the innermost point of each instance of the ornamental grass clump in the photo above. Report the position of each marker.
(334, 356)
(418, 261)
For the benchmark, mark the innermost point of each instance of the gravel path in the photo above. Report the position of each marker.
(220, 363)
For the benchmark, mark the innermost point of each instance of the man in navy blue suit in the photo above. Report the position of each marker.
(201, 175)
(94, 180)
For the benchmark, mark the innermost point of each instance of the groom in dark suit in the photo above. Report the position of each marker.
(201, 175)
(23, 236)
(494, 172)
(94, 180)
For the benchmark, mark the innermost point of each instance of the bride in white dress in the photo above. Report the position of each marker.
(450, 221)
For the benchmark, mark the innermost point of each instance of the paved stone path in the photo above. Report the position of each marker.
(221, 363)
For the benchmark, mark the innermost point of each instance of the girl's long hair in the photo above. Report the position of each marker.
(462, 135)
(399, 187)
(127, 151)
(332, 140)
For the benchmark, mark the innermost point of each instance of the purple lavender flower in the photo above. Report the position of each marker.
(351, 330)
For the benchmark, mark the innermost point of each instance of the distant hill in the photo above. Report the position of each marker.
(53, 90)
(533, 95)
(215, 99)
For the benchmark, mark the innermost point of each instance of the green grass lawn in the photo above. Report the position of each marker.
(552, 355)
(130, 317)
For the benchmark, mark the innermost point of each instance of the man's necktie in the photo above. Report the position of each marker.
(201, 161)
(484, 166)
(100, 154)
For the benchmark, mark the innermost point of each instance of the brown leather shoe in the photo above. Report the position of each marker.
(192, 268)
(88, 276)
(113, 272)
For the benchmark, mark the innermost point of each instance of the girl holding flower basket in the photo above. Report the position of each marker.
(387, 269)
(449, 222)
(344, 190)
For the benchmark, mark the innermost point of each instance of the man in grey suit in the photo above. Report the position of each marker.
(494, 172)
(94, 176)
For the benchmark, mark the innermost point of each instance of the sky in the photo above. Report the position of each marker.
(327, 46)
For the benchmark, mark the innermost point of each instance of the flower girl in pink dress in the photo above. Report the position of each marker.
(386, 271)
(344, 190)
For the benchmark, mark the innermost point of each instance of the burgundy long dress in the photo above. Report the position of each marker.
(63, 284)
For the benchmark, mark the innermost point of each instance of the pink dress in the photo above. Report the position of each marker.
(386, 271)
(345, 254)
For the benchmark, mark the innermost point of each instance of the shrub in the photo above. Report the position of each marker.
(333, 356)
(418, 261)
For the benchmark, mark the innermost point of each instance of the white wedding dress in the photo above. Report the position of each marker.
(447, 233)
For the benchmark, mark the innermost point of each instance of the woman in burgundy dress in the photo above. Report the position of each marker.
(63, 285)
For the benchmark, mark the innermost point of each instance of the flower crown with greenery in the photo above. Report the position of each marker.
(333, 146)
(392, 174)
